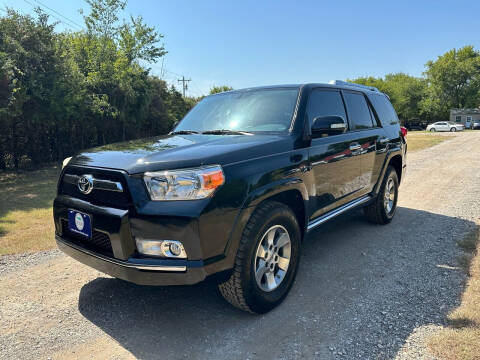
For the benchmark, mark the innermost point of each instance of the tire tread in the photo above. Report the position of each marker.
(232, 289)
(375, 211)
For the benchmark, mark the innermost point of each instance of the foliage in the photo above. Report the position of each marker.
(62, 92)
(406, 92)
(219, 89)
(452, 81)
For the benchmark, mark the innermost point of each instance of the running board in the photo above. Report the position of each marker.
(330, 215)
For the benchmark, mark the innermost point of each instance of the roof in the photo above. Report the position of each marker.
(464, 111)
(335, 84)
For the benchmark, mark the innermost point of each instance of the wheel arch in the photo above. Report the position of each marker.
(394, 159)
(291, 192)
(294, 200)
(396, 162)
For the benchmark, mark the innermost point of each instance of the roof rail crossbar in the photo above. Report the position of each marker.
(340, 82)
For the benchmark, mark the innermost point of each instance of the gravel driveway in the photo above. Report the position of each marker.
(362, 291)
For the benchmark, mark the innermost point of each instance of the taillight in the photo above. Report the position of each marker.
(404, 131)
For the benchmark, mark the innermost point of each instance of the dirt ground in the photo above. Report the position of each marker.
(362, 291)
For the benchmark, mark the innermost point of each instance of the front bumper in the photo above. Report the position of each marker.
(122, 260)
(138, 271)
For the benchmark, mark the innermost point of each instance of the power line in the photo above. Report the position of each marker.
(56, 12)
(199, 92)
(184, 83)
(171, 72)
(56, 17)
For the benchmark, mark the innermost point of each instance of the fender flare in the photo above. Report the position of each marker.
(388, 158)
(252, 200)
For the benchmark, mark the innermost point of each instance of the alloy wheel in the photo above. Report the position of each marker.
(389, 197)
(272, 258)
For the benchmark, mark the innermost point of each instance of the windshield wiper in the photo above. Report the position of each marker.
(226, 132)
(183, 132)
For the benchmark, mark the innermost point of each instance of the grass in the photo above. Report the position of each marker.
(422, 140)
(461, 340)
(26, 221)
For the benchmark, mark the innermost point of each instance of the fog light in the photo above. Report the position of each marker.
(175, 249)
(163, 248)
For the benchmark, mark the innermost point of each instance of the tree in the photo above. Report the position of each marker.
(219, 89)
(406, 92)
(28, 73)
(63, 92)
(453, 82)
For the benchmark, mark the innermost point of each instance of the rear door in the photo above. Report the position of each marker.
(368, 138)
(335, 168)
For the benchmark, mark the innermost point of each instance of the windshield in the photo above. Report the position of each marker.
(249, 111)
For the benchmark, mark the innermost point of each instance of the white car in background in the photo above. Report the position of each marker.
(445, 126)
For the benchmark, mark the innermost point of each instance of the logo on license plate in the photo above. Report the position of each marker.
(79, 223)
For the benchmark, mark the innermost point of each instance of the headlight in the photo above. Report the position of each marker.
(187, 184)
(66, 161)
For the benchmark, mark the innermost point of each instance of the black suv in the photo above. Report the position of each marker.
(231, 193)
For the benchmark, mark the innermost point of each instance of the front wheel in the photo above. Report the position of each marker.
(267, 260)
(453, 129)
(383, 208)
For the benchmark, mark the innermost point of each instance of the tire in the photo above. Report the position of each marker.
(243, 290)
(380, 211)
(453, 129)
(433, 130)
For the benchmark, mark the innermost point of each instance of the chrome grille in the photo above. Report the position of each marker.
(109, 187)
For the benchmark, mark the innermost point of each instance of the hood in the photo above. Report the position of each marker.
(182, 151)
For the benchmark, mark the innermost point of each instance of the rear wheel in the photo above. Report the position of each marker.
(432, 130)
(382, 210)
(267, 260)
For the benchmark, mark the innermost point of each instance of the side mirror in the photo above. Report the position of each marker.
(330, 125)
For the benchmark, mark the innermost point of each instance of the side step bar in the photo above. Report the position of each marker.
(335, 212)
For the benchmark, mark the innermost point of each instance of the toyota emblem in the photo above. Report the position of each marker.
(85, 184)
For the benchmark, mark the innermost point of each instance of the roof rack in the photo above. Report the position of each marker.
(340, 82)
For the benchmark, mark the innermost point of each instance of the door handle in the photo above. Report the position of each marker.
(355, 146)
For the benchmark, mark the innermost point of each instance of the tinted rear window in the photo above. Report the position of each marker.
(384, 109)
(358, 111)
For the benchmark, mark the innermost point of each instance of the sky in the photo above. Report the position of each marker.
(265, 42)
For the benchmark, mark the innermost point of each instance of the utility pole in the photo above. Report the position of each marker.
(184, 83)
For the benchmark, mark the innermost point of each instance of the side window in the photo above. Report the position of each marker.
(384, 109)
(358, 111)
(325, 102)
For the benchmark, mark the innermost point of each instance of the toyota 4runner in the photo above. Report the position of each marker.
(233, 190)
